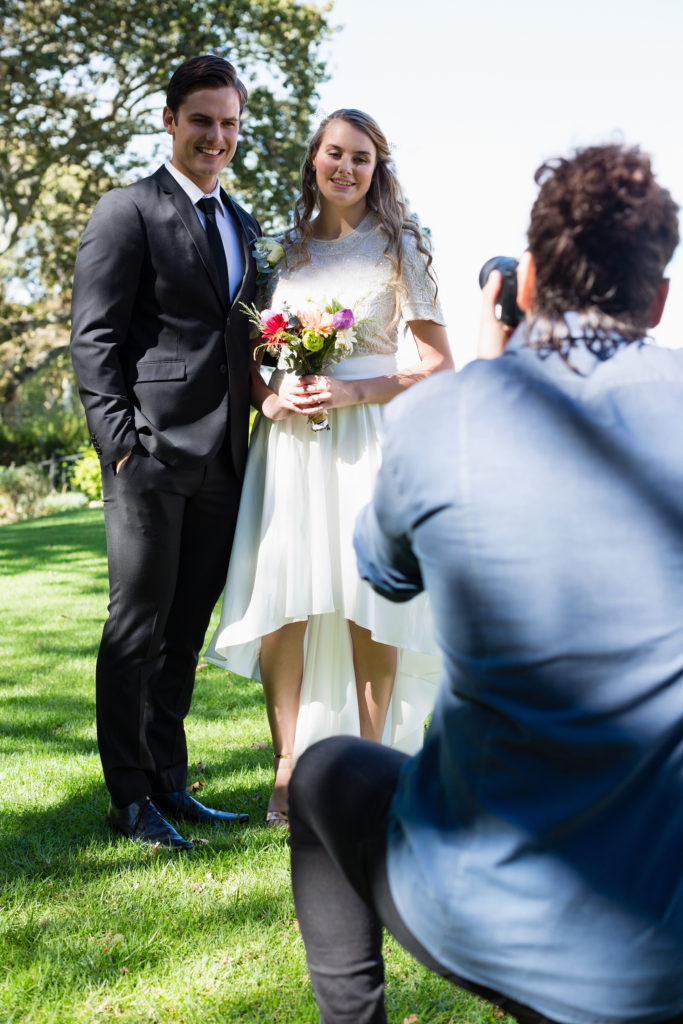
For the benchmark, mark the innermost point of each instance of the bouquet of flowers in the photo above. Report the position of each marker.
(306, 340)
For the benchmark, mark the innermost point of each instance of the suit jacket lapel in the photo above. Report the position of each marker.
(247, 236)
(188, 216)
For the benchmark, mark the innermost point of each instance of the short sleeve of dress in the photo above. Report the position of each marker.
(418, 298)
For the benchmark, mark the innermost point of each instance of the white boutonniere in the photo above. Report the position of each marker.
(267, 252)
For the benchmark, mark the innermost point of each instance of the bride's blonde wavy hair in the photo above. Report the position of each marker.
(385, 198)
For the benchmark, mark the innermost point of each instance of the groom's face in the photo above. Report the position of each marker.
(204, 130)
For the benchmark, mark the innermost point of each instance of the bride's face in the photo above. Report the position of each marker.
(344, 165)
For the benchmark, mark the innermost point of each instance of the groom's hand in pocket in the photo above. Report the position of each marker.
(124, 458)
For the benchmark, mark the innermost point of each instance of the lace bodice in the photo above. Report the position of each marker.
(354, 270)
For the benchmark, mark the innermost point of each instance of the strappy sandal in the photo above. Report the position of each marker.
(278, 819)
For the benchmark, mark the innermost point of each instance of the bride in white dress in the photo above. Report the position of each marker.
(329, 651)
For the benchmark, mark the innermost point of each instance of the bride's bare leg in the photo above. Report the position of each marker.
(375, 669)
(282, 662)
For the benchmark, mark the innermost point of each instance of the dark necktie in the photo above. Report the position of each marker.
(208, 208)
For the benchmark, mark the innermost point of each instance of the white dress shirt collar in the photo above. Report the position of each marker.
(193, 191)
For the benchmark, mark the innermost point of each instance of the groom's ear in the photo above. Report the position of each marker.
(526, 281)
(169, 120)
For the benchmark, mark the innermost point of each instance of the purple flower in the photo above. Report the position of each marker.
(343, 319)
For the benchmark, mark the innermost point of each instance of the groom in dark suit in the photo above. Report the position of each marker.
(161, 351)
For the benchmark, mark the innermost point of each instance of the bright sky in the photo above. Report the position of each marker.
(474, 96)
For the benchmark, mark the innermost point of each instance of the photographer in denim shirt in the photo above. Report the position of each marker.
(531, 851)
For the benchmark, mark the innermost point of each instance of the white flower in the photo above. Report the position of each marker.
(270, 250)
(267, 253)
(343, 342)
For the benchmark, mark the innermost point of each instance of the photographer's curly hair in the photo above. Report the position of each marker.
(385, 198)
(602, 232)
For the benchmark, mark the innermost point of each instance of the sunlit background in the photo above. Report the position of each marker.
(474, 96)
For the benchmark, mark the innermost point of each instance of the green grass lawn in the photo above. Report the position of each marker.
(95, 928)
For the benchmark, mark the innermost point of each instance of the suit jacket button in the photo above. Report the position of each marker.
(223, 368)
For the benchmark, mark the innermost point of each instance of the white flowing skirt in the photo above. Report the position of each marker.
(293, 560)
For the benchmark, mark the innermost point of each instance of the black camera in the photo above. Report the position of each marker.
(510, 313)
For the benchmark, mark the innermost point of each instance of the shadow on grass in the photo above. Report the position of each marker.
(56, 841)
(43, 718)
(32, 543)
(220, 694)
(220, 700)
(48, 720)
(45, 649)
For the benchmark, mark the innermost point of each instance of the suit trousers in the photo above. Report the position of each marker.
(339, 800)
(169, 535)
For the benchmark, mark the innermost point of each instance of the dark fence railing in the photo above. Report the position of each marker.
(57, 468)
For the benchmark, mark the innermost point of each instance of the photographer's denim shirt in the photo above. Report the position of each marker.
(536, 842)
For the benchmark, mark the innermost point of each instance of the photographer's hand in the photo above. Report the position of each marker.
(493, 335)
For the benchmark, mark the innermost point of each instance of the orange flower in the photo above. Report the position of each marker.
(319, 321)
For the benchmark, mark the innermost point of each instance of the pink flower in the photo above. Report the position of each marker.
(272, 324)
(319, 321)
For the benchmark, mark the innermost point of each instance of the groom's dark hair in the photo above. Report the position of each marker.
(208, 72)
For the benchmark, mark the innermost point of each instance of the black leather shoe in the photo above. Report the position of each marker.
(141, 820)
(182, 805)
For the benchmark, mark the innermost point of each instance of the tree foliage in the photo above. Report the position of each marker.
(81, 90)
